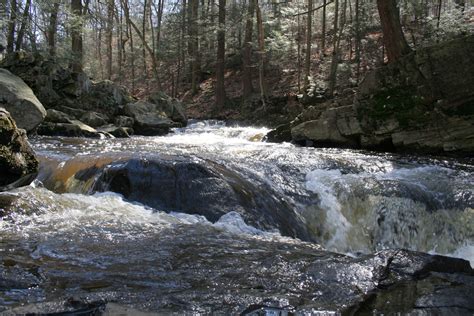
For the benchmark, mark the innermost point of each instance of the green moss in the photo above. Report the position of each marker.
(403, 103)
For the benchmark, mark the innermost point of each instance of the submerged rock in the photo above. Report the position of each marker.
(18, 163)
(18, 99)
(179, 184)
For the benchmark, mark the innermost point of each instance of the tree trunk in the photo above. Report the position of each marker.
(76, 36)
(12, 26)
(323, 31)
(53, 28)
(108, 35)
(261, 49)
(195, 71)
(24, 24)
(220, 87)
(144, 28)
(309, 35)
(394, 40)
(247, 53)
(358, 39)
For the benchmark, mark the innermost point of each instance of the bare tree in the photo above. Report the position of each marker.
(220, 87)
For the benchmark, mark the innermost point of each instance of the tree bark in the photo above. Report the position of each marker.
(76, 36)
(309, 35)
(53, 28)
(195, 71)
(323, 31)
(247, 87)
(394, 40)
(261, 52)
(109, 30)
(23, 26)
(220, 86)
(12, 26)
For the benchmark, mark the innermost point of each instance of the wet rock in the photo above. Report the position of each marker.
(18, 99)
(202, 188)
(149, 118)
(281, 133)
(18, 163)
(74, 128)
(119, 132)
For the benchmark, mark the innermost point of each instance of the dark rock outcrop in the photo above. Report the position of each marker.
(19, 100)
(424, 102)
(18, 163)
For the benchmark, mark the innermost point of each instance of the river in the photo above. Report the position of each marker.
(215, 220)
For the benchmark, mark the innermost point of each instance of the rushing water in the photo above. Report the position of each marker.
(351, 202)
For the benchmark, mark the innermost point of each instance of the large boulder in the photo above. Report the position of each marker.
(18, 99)
(18, 163)
(181, 184)
(173, 108)
(149, 118)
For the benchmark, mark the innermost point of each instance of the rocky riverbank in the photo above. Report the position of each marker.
(80, 107)
(423, 103)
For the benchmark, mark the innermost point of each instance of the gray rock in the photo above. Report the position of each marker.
(149, 118)
(18, 163)
(73, 129)
(54, 116)
(116, 131)
(172, 108)
(94, 119)
(124, 121)
(18, 99)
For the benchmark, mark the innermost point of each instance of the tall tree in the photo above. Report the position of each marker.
(12, 26)
(323, 29)
(247, 87)
(53, 27)
(220, 87)
(261, 52)
(394, 40)
(24, 24)
(109, 35)
(194, 28)
(76, 36)
(309, 35)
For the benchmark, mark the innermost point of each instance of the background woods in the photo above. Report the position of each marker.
(215, 52)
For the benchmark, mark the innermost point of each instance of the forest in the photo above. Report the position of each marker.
(233, 48)
(236, 157)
